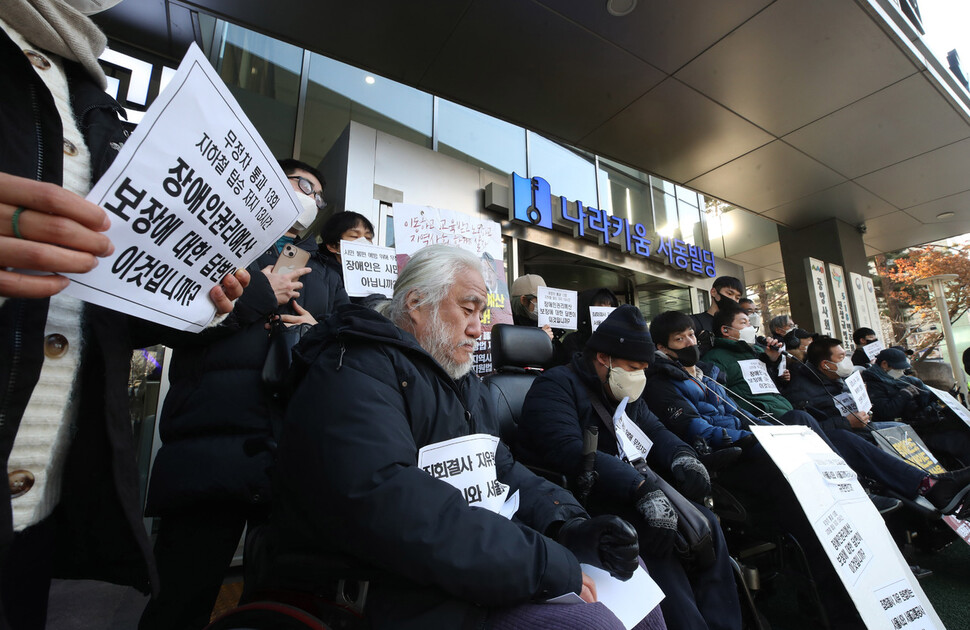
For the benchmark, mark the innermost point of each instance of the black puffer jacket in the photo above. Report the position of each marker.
(349, 490)
(814, 392)
(217, 400)
(890, 401)
(555, 416)
(99, 533)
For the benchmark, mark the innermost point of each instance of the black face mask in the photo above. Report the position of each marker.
(688, 356)
(725, 302)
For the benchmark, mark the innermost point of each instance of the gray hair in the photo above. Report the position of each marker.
(430, 273)
(781, 321)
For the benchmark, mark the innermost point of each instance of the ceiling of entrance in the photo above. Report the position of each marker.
(794, 110)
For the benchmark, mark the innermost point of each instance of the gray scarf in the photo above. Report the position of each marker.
(60, 29)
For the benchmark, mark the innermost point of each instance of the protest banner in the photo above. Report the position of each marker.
(852, 533)
(419, 226)
(368, 269)
(193, 195)
(904, 441)
(857, 388)
(597, 314)
(872, 349)
(756, 376)
(467, 463)
(556, 308)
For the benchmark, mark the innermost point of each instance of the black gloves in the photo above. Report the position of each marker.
(661, 520)
(607, 542)
(691, 477)
(747, 441)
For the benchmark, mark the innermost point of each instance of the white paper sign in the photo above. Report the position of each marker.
(845, 404)
(952, 403)
(367, 268)
(872, 349)
(598, 313)
(630, 601)
(851, 531)
(556, 307)
(630, 438)
(782, 365)
(468, 464)
(756, 376)
(857, 388)
(193, 195)
(902, 607)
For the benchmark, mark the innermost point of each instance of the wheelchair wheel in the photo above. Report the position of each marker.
(267, 616)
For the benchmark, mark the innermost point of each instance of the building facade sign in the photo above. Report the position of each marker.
(840, 298)
(532, 204)
(821, 303)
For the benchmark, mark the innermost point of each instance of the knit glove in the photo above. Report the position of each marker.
(661, 520)
(691, 477)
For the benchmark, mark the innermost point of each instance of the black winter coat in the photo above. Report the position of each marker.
(349, 490)
(98, 531)
(217, 400)
(814, 392)
(554, 419)
(889, 402)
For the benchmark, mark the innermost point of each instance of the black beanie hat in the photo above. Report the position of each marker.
(624, 335)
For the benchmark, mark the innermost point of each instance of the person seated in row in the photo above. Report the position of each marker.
(525, 302)
(944, 491)
(565, 401)
(684, 393)
(862, 337)
(896, 396)
(797, 341)
(359, 494)
(779, 326)
(725, 292)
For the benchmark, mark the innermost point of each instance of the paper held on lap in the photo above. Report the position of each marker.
(193, 195)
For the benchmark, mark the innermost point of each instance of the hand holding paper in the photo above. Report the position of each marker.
(59, 232)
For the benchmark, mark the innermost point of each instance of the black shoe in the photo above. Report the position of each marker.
(885, 505)
(949, 490)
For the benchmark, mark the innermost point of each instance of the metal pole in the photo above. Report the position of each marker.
(951, 346)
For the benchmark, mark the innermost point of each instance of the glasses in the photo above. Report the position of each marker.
(307, 187)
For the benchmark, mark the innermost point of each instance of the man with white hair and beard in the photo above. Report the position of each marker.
(364, 495)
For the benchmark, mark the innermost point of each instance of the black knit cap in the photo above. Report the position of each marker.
(624, 335)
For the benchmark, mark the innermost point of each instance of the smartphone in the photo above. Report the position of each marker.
(291, 259)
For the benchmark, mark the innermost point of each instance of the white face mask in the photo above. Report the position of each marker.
(90, 7)
(844, 368)
(755, 320)
(897, 373)
(309, 212)
(747, 334)
(626, 384)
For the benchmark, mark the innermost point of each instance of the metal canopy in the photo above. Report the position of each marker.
(798, 111)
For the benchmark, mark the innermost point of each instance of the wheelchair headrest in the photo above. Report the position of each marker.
(519, 347)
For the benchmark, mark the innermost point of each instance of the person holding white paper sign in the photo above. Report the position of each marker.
(211, 477)
(74, 508)
(565, 401)
(364, 494)
(575, 341)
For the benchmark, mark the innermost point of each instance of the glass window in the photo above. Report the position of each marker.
(626, 193)
(482, 140)
(664, 207)
(732, 230)
(263, 74)
(689, 216)
(338, 93)
(570, 174)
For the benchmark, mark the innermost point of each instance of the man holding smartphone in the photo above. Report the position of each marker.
(211, 476)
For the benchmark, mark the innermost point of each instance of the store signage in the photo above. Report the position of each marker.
(532, 204)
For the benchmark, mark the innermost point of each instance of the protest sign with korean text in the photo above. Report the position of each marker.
(872, 349)
(416, 227)
(467, 463)
(850, 530)
(857, 387)
(632, 443)
(597, 314)
(952, 404)
(368, 269)
(756, 376)
(193, 195)
(556, 307)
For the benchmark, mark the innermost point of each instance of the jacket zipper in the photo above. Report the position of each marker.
(20, 305)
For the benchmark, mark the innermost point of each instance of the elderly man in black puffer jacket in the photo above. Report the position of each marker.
(374, 395)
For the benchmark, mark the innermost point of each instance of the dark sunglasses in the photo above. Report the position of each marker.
(307, 187)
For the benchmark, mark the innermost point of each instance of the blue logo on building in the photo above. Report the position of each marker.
(532, 201)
